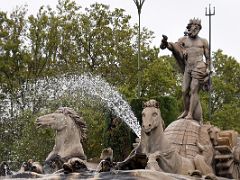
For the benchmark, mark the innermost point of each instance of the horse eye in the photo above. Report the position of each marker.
(154, 114)
(143, 115)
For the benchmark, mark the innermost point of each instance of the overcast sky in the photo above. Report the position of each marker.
(169, 17)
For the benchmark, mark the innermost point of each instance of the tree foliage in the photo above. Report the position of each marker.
(159, 78)
(225, 91)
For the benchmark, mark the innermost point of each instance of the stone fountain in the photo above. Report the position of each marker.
(186, 149)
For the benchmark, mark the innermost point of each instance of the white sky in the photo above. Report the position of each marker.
(169, 17)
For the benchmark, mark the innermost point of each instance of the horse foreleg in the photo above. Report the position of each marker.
(152, 163)
(201, 165)
(52, 163)
(135, 161)
(124, 165)
(50, 156)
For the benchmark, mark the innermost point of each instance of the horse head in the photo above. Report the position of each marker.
(151, 117)
(56, 120)
(63, 117)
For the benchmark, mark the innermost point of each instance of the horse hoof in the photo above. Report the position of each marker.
(195, 173)
(211, 177)
(67, 168)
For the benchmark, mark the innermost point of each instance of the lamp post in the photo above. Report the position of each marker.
(209, 13)
(139, 4)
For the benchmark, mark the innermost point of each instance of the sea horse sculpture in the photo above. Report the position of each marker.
(70, 131)
(157, 152)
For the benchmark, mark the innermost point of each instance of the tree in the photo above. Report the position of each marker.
(225, 93)
(159, 78)
(106, 41)
(226, 80)
(13, 55)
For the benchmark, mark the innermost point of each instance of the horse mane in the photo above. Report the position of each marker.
(78, 120)
(151, 103)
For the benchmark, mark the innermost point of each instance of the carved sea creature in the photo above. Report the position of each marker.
(31, 166)
(106, 162)
(5, 169)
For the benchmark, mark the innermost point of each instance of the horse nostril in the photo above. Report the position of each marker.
(149, 125)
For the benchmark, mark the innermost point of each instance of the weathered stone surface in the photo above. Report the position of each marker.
(137, 174)
(183, 135)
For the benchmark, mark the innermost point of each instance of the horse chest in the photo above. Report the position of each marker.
(151, 145)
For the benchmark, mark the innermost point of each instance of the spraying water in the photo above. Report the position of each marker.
(86, 84)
